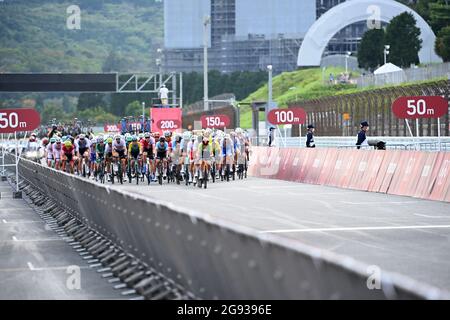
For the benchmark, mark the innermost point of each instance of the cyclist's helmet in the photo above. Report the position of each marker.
(81, 136)
(147, 135)
(45, 141)
(129, 139)
(64, 138)
(68, 144)
(162, 139)
(100, 140)
(117, 137)
(52, 140)
(134, 138)
(205, 141)
(167, 134)
(141, 136)
(109, 140)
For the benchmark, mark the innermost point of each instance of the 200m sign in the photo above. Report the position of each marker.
(14, 120)
(169, 124)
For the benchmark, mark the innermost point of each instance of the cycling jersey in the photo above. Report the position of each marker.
(147, 146)
(68, 152)
(227, 147)
(82, 145)
(49, 151)
(57, 151)
(119, 146)
(205, 151)
(134, 149)
(161, 149)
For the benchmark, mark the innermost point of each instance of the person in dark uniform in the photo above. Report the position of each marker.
(310, 137)
(271, 135)
(362, 139)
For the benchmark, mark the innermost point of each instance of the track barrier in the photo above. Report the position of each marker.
(213, 258)
(418, 174)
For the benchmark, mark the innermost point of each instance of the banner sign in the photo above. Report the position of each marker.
(15, 120)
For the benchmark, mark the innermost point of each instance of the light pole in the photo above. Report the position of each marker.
(346, 61)
(206, 22)
(386, 52)
(270, 86)
(143, 111)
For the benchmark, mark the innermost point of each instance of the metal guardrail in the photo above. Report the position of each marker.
(403, 143)
(212, 258)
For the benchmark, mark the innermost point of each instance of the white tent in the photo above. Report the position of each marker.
(387, 68)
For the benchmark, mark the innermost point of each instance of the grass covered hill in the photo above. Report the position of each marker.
(34, 36)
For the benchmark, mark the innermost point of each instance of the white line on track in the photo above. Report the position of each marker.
(427, 216)
(36, 240)
(379, 202)
(21, 222)
(33, 268)
(357, 229)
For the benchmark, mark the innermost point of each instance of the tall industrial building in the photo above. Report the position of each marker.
(245, 34)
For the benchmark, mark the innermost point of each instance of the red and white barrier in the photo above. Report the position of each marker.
(417, 174)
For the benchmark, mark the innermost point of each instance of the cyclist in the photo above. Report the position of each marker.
(205, 152)
(57, 152)
(68, 151)
(147, 147)
(134, 151)
(49, 153)
(108, 154)
(162, 148)
(227, 146)
(177, 156)
(82, 146)
(184, 149)
(120, 147)
(168, 136)
(93, 156)
(100, 150)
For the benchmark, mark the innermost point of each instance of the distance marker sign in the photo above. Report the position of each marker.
(294, 115)
(420, 107)
(215, 121)
(15, 120)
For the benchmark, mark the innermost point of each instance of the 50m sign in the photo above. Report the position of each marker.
(14, 120)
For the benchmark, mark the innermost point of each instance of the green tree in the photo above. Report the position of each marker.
(403, 36)
(133, 109)
(52, 111)
(442, 45)
(439, 15)
(91, 100)
(97, 115)
(370, 51)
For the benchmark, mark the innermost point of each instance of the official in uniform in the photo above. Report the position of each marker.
(310, 137)
(362, 139)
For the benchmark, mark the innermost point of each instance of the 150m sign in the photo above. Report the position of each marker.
(14, 120)
(420, 107)
(215, 121)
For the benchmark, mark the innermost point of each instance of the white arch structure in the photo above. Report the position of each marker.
(351, 11)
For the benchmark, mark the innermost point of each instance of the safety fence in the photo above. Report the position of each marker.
(212, 258)
(441, 70)
(407, 173)
(341, 115)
